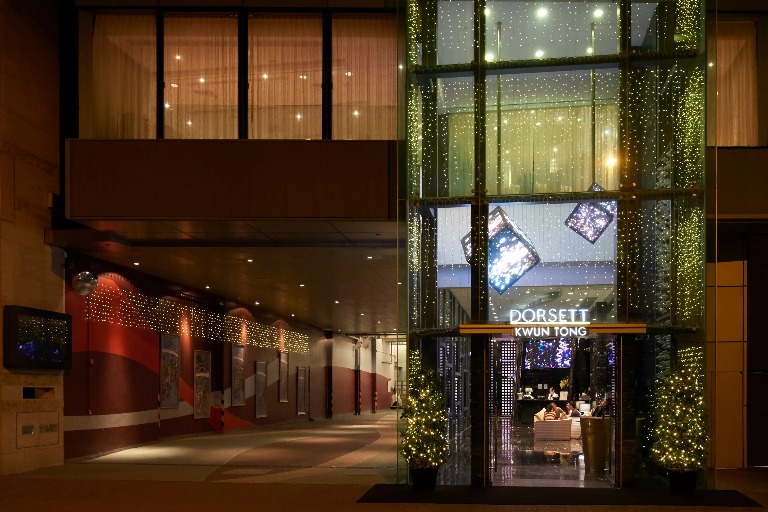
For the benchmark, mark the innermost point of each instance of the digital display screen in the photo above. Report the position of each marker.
(510, 253)
(545, 354)
(36, 339)
(590, 219)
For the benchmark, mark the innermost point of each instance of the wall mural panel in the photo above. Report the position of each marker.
(261, 389)
(169, 371)
(301, 390)
(283, 376)
(202, 384)
(238, 375)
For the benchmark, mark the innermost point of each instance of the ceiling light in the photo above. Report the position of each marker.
(207, 287)
(370, 257)
(711, 64)
(356, 113)
(257, 303)
(202, 79)
(189, 123)
(598, 13)
(542, 12)
(178, 57)
(348, 73)
(167, 105)
(250, 261)
(301, 285)
(303, 77)
(264, 76)
(136, 263)
(399, 66)
(362, 314)
(336, 302)
(292, 314)
(298, 117)
(174, 85)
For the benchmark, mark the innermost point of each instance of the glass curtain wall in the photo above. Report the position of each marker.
(555, 156)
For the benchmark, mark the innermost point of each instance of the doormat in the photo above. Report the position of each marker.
(461, 494)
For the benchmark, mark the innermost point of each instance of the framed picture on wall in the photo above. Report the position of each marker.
(238, 375)
(282, 395)
(301, 390)
(202, 406)
(169, 371)
(260, 396)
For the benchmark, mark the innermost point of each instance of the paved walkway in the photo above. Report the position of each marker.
(325, 465)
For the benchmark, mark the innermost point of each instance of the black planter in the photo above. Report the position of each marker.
(682, 482)
(424, 479)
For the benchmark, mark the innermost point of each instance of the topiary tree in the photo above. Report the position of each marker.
(680, 435)
(425, 440)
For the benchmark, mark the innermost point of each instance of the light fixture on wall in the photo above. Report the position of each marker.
(510, 253)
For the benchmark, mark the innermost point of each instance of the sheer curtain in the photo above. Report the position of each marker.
(543, 149)
(736, 83)
(285, 76)
(200, 62)
(123, 98)
(364, 77)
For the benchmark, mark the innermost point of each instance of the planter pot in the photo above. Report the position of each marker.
(682, 482)
(424, 479)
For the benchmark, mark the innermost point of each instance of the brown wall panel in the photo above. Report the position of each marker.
(79, 443)
(230, 179)
(741, 182)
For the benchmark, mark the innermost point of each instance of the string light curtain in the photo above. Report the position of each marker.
(285, 74)
(200, 77)
(364, 77)
(736, 83)
(123, 80)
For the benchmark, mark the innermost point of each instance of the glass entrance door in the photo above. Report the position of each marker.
(543, 390)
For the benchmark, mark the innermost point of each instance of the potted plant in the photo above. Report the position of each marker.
(680, 434)
(425, 439)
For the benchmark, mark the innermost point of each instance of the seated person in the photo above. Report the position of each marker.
(559, 413)
(571, 410)
(552, 395)
(599, 410)
(550, 414)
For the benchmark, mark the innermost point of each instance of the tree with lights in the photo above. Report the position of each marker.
(680, 436)
(425, 440)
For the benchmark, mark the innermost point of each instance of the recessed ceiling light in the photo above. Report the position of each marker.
(348, 73)
(207, 287)
(257, 303)
(250, 260)
(370, 257)
(178, 57)
(202, 79)
(301, 285)
(399, 283)
(265, 76)
(167, 105)
(174, 85)
(336, 302)
(303, 77)
(362, 314)
(136, 263)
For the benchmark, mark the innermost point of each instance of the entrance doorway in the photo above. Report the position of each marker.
(530, 375)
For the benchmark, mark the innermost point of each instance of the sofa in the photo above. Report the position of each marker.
(557, 430)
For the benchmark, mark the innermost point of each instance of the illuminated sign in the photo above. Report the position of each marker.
(549, 316)
(571, 322)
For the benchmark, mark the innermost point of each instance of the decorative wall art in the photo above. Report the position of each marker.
(169, 371)
(238, 375)
(261, 389)
(301, 390)
(202, 384)
(283, 378)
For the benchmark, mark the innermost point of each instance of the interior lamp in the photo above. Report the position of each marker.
(590, 219)
(510, 253)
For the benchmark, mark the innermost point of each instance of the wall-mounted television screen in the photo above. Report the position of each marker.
(544, 354)
(36, 339)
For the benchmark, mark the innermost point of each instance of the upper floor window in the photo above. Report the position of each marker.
(737, 102)
(364, 77)
(200, 93)
(118, 77)
(285, 76)
(201, 81)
